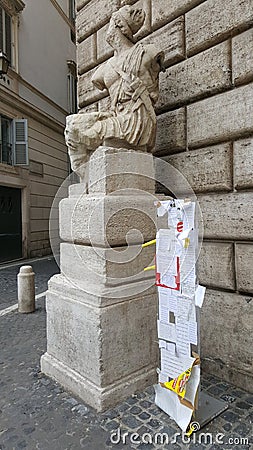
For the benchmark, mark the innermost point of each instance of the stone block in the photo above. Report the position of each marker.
(227, 216)
(243, 157)
(226, 341)
(213, 21)
(145, 5)
(104, 50)
(216, 265)
(171, 132)
(244, 267)
(81, 3)
(113, 170)
(87, 92)
(94, 16)
(242, 57)
(108, 220)
(204, 74)
(206, 170)
(163, 13)
(89, 266)
(86, 54)
(223, 117)
(102, 355)
(170, 39)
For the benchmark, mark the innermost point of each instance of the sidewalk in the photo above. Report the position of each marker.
(44, 268)
(38, 414)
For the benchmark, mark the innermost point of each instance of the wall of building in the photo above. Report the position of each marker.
(40, 181)
(44, 48)
(36, 89)
(205, 129)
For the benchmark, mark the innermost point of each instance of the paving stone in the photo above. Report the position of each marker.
(112, 425)
(72, 401)
(153, 423)
(123, 407)
(140, 395)
(144, 416)
(243, 405)
(196, 447)
(131, 422)
(135, 410)
(243, 429)
(155, 411)
(143, 429)
(132, 400)
(146, 404)
(145, 446)
(230, 416)
(81, 409)
(215, 390)
(150, 390)
(227, 426)
(228, 398)
(175, 447)
(249, 399)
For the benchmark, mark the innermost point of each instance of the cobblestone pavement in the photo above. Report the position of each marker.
(37, 414)
(44, 268)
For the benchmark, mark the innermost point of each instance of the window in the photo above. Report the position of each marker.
(6, 34)
(6, 140)
(72, 87)
(13, 141)
(9, 29)
(72, 17)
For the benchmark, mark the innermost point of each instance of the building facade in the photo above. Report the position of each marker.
(36, 94)
(205, 129)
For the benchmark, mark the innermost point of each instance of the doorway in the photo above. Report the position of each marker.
(10, 224)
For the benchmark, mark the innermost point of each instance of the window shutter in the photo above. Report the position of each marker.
(20, 142)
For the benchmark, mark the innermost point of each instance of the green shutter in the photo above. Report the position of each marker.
(20, 142)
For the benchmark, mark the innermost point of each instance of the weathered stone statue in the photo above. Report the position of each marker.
(131, 79)
(102, 307)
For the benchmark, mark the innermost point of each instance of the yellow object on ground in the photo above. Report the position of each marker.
(178, 385)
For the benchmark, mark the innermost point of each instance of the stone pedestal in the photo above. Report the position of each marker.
(101, 309)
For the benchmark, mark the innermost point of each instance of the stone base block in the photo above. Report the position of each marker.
(89, 266)
(100, 399)
(115, 169)
(102, 354)
(108, 220)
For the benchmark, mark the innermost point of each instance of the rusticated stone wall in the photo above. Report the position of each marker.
(205, 129)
